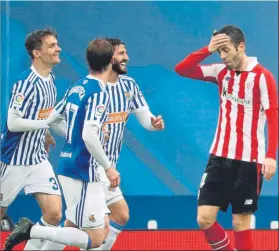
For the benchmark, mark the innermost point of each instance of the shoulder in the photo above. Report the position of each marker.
(128, 80)
(26, 75)
(25, 80)
(264, 73)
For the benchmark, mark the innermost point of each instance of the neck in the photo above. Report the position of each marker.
(113, 76)
(104, 76)
(243, 64)
(43, 69)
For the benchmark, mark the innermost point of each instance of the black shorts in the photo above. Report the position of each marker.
(227, 181)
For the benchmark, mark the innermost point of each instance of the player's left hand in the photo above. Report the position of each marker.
(158, 123)
(49, 141)
(269, 168)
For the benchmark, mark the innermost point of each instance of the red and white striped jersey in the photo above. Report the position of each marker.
(244, 99)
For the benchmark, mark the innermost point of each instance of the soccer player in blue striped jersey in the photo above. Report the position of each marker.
(84, 108)
(125, 99)
(24, 160)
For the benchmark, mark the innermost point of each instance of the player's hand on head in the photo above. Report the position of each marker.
(217, 42)
(269, 168)
(49, 141)
(113, 177)
(158, 122)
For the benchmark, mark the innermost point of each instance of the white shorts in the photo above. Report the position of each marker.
(38, 178)
(112, 195)
(85, 201)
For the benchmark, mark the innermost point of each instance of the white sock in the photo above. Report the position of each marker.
(37, 244)
(50, 245)
(64, 235)
(114, 230)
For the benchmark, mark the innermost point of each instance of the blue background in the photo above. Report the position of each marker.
(163, 167)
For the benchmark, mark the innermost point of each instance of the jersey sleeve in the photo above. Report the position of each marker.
(61, 105)
(269, 101)
(96, 109)
(138, 100)
(22, 96)
(190, 67)
(268, 90)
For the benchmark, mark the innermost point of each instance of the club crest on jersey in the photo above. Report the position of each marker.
(128, 95)
(249, 85)
(99, 110)
(92, 218)
(19, 99)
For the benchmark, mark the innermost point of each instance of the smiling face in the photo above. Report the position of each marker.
(121, 59)
(49, 51)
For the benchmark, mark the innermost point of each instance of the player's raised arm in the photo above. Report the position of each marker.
(269, 101)
(22, 97)
(190, 66)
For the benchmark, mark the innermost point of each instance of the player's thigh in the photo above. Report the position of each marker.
(13, 179)
(247, 188)
(215, 185)
(42, 180)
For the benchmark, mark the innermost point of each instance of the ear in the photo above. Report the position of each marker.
(112, 60)
(36, 53)
(241, 47)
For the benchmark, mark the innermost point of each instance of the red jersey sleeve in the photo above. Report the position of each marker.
(190, 67)
(269, 101)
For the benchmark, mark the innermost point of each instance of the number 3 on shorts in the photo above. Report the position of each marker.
(53, 181)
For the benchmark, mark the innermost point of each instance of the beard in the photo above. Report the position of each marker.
(117, 68)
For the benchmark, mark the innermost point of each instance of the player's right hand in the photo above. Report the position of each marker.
(217, 42)
(113, 177)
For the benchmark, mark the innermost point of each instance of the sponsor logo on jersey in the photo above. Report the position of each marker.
(44, 113)
(117, 117)
(236, 99)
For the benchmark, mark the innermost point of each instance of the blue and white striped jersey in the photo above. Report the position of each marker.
(125, 98)
(33, 97)
(87, 100)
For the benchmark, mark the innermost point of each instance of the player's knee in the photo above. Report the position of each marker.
(53, 216)
(205, 220)
(241, 222)
(121, 218)
(98, 238)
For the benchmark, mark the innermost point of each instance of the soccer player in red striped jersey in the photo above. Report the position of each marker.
(238, 160)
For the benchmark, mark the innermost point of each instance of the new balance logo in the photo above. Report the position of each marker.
(248, 202)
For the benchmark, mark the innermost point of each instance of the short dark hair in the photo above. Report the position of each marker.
(236, 34)
(99, 54)
(34, 40)
(114, 41)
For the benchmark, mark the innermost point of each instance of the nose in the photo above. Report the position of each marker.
(223, 55)
(126, 57)
(58, 48)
